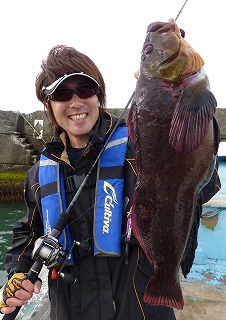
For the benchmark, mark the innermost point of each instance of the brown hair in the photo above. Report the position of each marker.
(63, 60)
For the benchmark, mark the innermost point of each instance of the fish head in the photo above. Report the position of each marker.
(166, 55)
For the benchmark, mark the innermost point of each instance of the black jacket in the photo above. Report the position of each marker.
(75, 164)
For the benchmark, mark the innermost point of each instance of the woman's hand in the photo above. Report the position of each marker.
(21, 296)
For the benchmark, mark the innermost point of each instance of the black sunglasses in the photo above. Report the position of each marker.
(63, 95)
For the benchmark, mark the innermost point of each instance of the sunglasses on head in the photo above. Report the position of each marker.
(64, 94)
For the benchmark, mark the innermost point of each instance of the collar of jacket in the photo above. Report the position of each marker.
(57, 149)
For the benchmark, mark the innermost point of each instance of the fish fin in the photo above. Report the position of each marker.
(191, 118)
(169, 296)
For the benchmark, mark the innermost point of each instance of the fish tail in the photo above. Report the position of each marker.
(169, 296)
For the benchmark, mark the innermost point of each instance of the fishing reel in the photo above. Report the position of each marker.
(48, 249)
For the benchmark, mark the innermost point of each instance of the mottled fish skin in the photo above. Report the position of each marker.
(170, 124)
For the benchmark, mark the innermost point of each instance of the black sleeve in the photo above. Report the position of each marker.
(189, 254)
(214, 185)
(207, 192)
(25, 232)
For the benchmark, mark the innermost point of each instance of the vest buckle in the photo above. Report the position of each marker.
(74, 182)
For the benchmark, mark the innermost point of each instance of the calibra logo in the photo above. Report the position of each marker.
(109, 201)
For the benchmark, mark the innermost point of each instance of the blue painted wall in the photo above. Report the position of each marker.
(212, 231)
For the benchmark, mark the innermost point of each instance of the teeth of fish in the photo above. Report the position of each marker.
(78, 116)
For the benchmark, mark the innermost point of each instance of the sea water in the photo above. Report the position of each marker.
(10, 212)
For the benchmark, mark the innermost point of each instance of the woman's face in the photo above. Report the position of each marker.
(77, 116)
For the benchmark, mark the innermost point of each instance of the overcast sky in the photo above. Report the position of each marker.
(109, 32)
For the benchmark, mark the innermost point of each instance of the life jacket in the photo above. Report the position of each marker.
(109, 196)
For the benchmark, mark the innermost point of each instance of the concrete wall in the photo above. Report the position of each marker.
(22, 136)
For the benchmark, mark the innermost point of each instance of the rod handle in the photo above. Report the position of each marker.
(32, 275)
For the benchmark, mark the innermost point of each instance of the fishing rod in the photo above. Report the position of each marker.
(47, 249)
(180, 10)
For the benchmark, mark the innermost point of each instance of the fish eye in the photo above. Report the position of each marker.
(148, 49)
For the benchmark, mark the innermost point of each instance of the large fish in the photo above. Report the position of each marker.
(170, 123)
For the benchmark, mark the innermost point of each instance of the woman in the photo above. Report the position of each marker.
(107, 281)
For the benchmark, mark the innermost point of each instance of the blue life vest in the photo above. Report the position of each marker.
(109, 196)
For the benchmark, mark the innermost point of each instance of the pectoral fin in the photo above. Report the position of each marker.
(194, 111)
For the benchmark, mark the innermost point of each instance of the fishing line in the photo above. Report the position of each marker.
(180, 10)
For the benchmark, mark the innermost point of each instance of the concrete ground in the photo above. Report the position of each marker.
(205, 298)
(202, 301)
